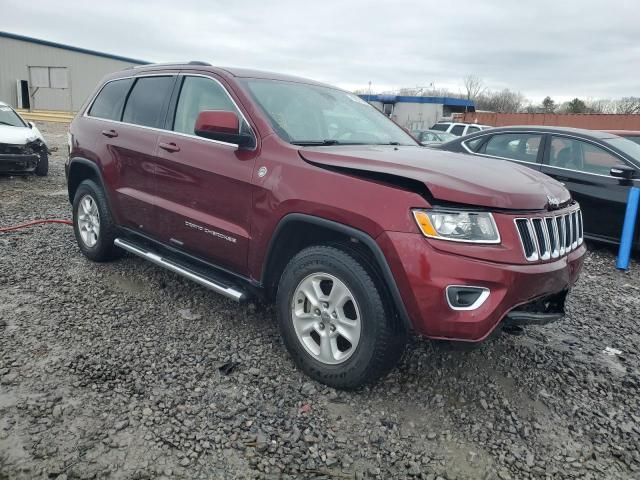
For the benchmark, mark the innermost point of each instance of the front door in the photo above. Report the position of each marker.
(204, 186)
(584, 168)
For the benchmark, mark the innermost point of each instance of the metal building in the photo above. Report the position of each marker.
(418, 113)
(42, 75)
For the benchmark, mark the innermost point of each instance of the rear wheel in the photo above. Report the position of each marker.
(334, 320)
(92, 223)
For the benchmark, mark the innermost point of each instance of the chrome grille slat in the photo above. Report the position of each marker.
(544, 238)
(580, 228)
(552, 230)
(560, 227)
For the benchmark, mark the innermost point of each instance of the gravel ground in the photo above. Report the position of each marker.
(123, 370)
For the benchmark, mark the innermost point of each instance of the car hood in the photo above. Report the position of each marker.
(18, 135)
(450, 177)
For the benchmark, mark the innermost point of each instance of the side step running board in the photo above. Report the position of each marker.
(180, 270)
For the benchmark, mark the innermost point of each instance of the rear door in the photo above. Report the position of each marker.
(204, 186)
(584, 168)
(130, 111)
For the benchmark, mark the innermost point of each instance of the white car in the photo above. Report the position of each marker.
(22, 146)
(459, 129)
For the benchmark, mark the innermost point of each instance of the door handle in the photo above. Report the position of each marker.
(110, 133)
(169, 147)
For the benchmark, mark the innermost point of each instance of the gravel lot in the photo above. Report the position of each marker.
(123, 370)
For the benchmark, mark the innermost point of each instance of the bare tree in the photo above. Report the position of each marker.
(628, 105)
(474, 86)
(502, 101)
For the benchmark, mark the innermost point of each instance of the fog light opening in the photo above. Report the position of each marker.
(464, 297)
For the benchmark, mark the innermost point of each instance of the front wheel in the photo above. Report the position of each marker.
(43, 165)
(334, 319)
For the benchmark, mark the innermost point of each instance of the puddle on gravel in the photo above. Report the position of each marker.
(126, 284)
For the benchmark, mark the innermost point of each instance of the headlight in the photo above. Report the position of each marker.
(473, 227)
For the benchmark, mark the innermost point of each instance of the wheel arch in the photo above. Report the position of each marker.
(297, 231)
(80, 169)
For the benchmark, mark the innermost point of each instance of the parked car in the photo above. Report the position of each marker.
(22, 146)
(633, 135)
(459, 129)
(431, 137)
(598, 168)
(231, 178)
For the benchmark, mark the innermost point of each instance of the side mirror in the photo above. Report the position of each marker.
(623, 171)
(223, 126)
(31, 124)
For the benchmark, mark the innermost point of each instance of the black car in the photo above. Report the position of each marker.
(598, 168)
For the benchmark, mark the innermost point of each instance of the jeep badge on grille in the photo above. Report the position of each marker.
(553, 203)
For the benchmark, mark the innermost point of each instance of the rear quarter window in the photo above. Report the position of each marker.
(109, 102)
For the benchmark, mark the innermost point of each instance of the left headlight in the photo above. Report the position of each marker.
(458, 226)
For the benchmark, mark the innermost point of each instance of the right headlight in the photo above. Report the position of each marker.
(458, 226)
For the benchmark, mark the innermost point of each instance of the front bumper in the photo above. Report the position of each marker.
(423, 273)
(20, 158)
(10, 163)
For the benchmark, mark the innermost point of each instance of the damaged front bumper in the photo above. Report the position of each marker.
(538, 312)
(20, 158)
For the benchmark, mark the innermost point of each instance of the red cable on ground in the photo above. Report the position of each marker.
(35, 222)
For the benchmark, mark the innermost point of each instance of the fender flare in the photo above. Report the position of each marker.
(86, 163)
(365, 238)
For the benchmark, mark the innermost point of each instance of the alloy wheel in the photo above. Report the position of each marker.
(326, 318)
(88, 221)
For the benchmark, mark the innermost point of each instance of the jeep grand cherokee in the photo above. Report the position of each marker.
(264, 185)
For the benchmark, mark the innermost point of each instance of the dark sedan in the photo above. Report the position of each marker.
(598, 168)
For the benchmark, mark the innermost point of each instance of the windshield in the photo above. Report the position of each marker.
(314, 115)
(9, 117)
(627, 146)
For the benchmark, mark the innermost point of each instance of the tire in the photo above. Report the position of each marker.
(378, 343)
(43, 165)
(95, 232)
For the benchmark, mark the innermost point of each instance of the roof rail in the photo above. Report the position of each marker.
(166, 64)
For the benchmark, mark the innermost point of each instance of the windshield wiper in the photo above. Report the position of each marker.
(314, 143)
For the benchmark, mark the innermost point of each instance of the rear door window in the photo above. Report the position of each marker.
(109, 102)
(457, 130)
(441, 127)
(147, 101)
(516, 146)
(472, 130)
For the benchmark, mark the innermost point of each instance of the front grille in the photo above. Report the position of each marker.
(7, 149)
(544, 238)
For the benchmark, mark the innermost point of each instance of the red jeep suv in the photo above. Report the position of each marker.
(263, 185)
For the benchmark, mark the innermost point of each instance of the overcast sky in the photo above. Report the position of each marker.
(562, 48)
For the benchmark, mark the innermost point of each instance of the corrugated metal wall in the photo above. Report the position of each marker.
(83, 73)
(576, 120)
